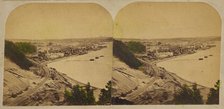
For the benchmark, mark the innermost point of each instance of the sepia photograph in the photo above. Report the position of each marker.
(166, 53)
(58, 54)
(97, 54)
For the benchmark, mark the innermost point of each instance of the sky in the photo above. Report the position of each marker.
(167, 20)
(58, 21)
(144, 20)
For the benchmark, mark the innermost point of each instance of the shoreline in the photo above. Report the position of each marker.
(174, 74)
(185, 80)
(75, 66)
(201, 71)
(66, 57)
(173, 57)
(169, 58)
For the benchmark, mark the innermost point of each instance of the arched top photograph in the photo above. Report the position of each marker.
(107, 53)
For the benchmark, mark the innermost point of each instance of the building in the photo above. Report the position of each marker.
(164, 54)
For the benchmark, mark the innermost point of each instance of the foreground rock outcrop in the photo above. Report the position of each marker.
(35, 87)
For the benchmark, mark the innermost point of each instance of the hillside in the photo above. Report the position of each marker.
(121, 51)
(26, 87)
(29, 84)
(15, 55)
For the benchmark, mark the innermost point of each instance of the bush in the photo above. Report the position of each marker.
(188, 96)
(105, 94)
(26, 47)
(136, 47)
(80, 96)
(15, 55)
(213, 96)
(85, 96)
(90, 99)
(121, 51)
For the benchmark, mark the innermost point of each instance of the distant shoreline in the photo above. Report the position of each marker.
(173, 57)
(176, 73)
(218, 38)
(66, 57)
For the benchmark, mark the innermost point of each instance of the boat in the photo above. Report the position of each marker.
(205, 56)
(200, 58)
(91, 60)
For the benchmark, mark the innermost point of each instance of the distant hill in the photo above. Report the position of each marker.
(121, 51)
(17, 56)
(172, 39)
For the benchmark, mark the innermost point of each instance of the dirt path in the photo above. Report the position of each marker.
(139, 90)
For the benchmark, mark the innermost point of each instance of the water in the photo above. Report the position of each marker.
(80, 68)
(204, 72)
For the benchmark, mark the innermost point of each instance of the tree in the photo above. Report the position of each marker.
(80, 96)
(105, 94)
(90, 99)
(26, 47)
(197, 98)
(68, 95)
(213, 96)
(188, 95)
